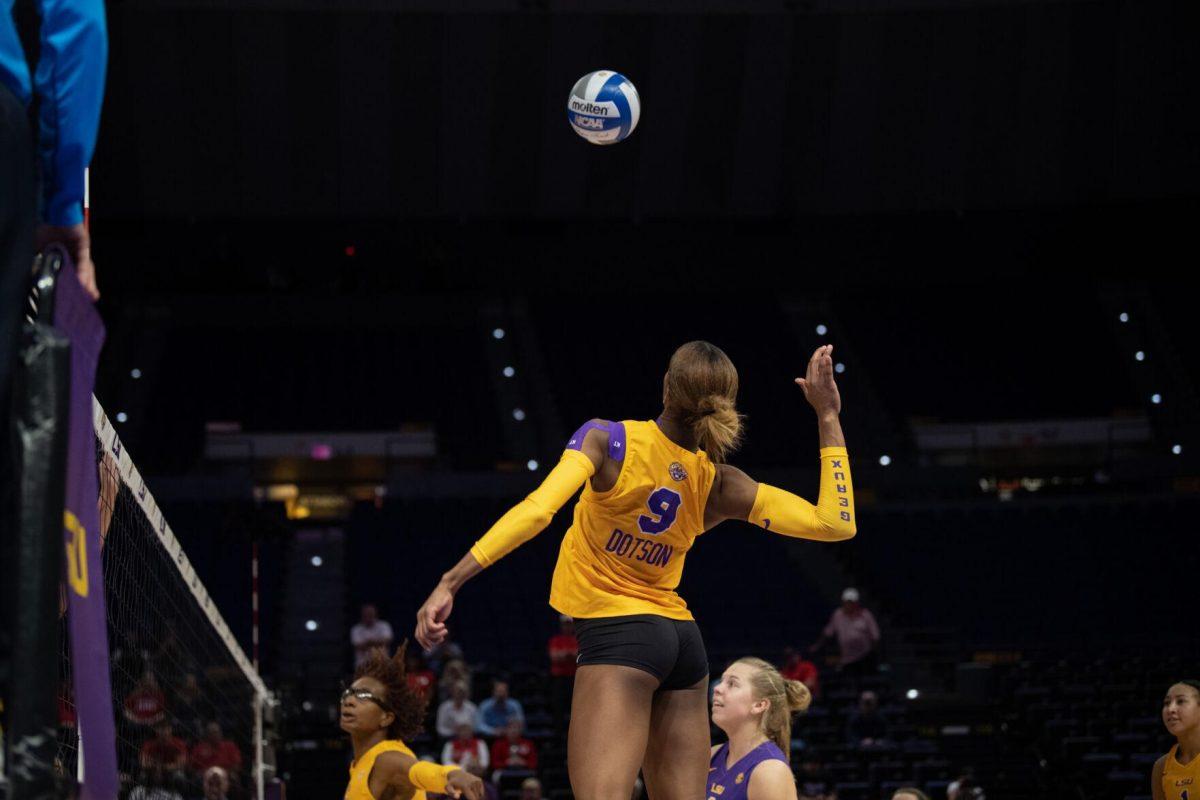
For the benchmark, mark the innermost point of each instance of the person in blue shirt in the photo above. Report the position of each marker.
(497, 711)
(67, 81)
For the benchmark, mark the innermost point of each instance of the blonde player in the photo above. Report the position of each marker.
(753, 704)
(1176, 776)
(650, 488)
(380, 711)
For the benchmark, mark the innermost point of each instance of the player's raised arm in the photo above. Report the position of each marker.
(522, 522)
(735, 495)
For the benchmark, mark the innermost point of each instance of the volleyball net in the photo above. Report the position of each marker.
(185, 697)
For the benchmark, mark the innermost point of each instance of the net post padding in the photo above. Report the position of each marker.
(41, 390)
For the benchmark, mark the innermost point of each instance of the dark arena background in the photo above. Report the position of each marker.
(361, 282)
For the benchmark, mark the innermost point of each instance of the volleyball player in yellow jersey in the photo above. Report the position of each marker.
(1176, 776)
(380, 711)
(650, 488)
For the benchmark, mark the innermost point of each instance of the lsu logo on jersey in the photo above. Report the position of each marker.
(677, 471)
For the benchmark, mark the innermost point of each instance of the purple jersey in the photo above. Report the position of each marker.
(731, 783)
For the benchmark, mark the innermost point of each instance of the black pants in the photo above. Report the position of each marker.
(17, 215)
(17, 219)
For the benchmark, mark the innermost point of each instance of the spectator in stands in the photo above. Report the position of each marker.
(866, 726)
(456, 712)
(466, 749)
(214, 750)
(563, 649)
(454, 671)
(188, 707)
(798, 668)
(370, 633)
(498, 710)
(216, 784)
(813, 781)
(965, 788)
(420, 677)
(909, 793)
(155, 784)
(164, 751)
(857, 635)
(146, 704)
(531, 789)
(443, 653)
(514, 751)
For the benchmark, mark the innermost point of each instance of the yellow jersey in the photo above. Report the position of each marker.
(360, 770)
(1180, 781)
(624, 551)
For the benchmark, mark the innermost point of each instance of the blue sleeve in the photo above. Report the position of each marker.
(69, 82)
(13, 71)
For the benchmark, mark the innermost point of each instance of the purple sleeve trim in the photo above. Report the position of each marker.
(616, 441)
(616, 437)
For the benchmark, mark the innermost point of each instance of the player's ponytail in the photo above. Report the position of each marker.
(701, 387)
(785, 698)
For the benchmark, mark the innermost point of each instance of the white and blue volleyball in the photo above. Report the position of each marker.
(604, 107)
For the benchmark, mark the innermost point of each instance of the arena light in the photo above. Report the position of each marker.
(912, 694)
(135, 373)
(1139, 356)
(532, 464)
(311, 625)
(498, 333)
(316, 561)
(884, 460)
(822, 330)
(1177, 449)
(122, 416)
(1156, 398)
(839, 368)
(509, 372)
(1123, 317)
(518, 414)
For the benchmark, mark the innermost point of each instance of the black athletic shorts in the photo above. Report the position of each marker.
(669, 649)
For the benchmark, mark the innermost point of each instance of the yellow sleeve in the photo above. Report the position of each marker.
(430, 777)
(529, 517)
(830, 520)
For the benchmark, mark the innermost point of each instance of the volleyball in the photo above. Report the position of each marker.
(604, 107)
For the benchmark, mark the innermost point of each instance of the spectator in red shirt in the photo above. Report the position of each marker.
(165, 751)
(514, 751)
(465, 749)
(563, 649)
(798, 668)
(214, 750)
(420, 677)
(146, 704)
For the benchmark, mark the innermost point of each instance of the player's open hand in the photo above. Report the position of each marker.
(431, 619)
(465, 785)
(820, 389)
